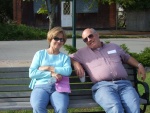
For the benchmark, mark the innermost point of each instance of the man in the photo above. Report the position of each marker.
(103, 62)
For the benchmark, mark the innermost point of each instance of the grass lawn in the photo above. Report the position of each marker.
(85, 109)
(148, 81)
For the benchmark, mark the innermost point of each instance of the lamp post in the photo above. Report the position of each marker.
(74, 23)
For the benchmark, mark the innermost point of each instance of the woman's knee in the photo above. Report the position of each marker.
(39, 108)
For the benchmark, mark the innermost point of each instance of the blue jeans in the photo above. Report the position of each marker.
(116, 97)
(43, 94)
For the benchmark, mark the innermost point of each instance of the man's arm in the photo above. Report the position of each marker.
(78, 68)
(141, 70)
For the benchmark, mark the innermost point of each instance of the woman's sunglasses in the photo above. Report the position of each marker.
(86, 39)
(57, 39)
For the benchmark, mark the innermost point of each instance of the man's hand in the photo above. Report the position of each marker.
(78, 69)
(141, 72)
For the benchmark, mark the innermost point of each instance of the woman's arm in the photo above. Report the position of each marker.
(34, 71)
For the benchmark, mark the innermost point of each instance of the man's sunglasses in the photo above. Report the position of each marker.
(86, 39)
(57, 39)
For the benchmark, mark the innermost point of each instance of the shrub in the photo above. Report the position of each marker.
(144, 57)
(20, 32)
(70, 49)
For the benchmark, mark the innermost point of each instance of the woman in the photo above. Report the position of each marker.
(46, 65)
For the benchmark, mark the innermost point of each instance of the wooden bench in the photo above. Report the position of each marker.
(15, 94)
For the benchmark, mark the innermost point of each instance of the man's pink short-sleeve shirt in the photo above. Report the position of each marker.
(104, 63)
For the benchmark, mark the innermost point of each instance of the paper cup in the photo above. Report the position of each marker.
(82, 79)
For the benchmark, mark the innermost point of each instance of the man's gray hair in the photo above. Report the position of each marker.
(93, 30)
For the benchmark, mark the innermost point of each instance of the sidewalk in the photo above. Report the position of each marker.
(20, 53)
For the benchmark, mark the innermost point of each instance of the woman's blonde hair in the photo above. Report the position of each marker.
(54, 32)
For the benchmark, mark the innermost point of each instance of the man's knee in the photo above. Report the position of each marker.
(114, 108)
(38, 108)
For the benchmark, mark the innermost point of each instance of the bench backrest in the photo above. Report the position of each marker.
(14, 83)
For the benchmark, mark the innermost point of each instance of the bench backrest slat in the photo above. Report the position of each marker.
(14, 69)
(15, 100)
(15, 94)
(14, 88)
(13, 75)
(17, 81)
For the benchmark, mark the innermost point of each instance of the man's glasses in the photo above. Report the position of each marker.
(86, 39)
(57, 39)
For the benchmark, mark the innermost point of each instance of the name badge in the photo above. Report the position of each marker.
(112, 51)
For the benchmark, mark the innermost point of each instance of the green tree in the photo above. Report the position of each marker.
(138, 5)
(51, 13)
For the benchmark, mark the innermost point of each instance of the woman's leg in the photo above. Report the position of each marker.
(60, 102)
(39, 100)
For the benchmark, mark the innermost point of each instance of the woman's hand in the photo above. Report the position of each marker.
(57, 76)
(47, 68)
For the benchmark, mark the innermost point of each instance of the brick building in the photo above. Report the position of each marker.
(102, 16)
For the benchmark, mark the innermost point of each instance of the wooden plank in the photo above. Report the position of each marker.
(77, 80)
(12, 99)
(20, 81)
(79, 97)
(81, 86)
(130, 77)
(15, 106)
(83, 103)
(15, 94)
(14, 75)
(14, 88)
(82, 92)
(14, 69)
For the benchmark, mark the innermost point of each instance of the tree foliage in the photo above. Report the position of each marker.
(138, 5)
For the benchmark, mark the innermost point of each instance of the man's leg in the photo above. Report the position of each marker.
(108, 98)
(130, 98)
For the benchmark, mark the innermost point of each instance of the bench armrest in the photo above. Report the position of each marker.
(146, 94)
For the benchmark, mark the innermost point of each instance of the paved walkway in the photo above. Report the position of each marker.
(20, 53)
